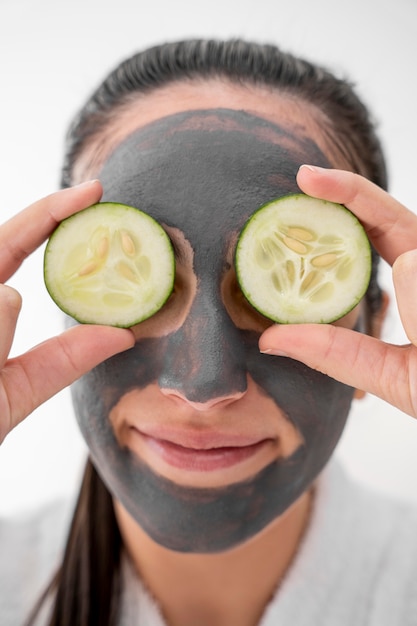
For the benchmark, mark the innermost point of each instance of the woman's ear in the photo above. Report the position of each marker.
(375, 330)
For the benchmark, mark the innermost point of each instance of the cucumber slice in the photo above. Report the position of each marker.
(109, 264)
(299, 259)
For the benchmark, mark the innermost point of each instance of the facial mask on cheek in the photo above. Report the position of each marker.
(317, 404)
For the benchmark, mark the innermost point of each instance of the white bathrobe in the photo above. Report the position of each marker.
(357, 565)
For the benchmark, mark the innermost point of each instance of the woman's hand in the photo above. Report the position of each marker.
(364, 362)
(28, 380)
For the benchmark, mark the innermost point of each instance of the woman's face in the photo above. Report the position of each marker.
(203, 439)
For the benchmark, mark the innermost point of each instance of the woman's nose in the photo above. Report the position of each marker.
(204, 362)
(212, 403)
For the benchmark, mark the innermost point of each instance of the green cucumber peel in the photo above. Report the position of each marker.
(300, 259)
(109, 264)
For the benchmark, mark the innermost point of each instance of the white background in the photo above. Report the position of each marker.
(53, 52)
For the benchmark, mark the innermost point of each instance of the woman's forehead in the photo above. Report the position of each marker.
(207, 171)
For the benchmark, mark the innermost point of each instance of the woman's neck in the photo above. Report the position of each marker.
(231, 587)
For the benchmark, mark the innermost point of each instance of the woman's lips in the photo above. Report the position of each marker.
(201, 459)
(201, 452)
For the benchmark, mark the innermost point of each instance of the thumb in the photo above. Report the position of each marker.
(358, 360)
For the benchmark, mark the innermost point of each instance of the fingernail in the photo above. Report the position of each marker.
(274, 352)
(313, 168)
(86, 183)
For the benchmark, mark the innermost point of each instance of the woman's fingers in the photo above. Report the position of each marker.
(387, 371)
(32, 378)
(23, 233)
(350, 357)
(404, 273)
(363, 362)
(390, 226)
(10, 305)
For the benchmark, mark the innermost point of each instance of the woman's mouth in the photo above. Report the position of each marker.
(201, 459)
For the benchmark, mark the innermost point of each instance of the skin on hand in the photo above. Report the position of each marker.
(30, 379)
(387, 371)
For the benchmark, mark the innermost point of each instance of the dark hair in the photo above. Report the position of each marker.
(349, 128)
(87, 586)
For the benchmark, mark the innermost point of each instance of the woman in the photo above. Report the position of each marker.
(202, 502)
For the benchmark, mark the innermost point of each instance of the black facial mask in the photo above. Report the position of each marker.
(204, 173)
